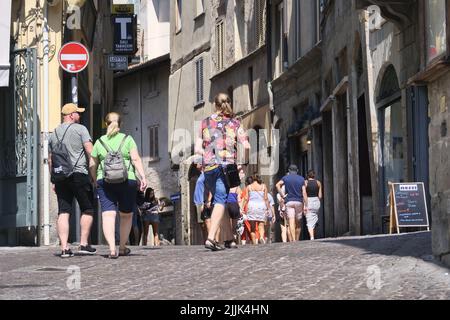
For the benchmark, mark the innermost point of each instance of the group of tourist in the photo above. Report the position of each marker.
(221, 206)
(230, 205)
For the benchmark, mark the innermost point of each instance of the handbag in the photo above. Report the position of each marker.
(232, 178)
(240, 226)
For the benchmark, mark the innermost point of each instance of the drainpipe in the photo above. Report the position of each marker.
(46, 175)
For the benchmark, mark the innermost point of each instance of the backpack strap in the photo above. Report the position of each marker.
(104, 145)
(120, 150)
(64, 135)
(122, 143)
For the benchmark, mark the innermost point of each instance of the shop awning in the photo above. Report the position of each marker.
(5, 31)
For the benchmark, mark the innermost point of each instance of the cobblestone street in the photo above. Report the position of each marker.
(383, 267)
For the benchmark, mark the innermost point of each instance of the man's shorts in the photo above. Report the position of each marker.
(294, 209)
(78, 187)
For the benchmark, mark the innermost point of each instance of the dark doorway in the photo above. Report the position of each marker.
(418, 146)
(328, 183)
(365, 183)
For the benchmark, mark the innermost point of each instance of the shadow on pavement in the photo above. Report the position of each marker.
(417, 245)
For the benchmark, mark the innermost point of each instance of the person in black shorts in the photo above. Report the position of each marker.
(78, 143)
(234, 213)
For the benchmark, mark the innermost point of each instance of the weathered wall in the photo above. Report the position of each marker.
(134, 91)
(439, 94)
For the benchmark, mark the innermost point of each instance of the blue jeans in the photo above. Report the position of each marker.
(215, 182)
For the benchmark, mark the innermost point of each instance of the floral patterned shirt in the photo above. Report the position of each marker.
(217, 150)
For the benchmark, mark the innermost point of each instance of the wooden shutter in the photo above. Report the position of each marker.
(260, 12)
(152, 149)
(220, 44)
(156, 142)
(199, 80)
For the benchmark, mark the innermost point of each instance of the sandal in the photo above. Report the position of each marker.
(113, 257)
(231, 244)
(213, 245)
(125, 253)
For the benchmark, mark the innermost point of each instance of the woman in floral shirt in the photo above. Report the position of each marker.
(217, 144)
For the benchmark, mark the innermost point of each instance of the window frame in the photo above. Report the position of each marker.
(153, 152)
(251, 89)
(260, 8)
(220, 44)
(445, 53)
(198, 4)
(200, 81)
(281, 16)
(178, 16)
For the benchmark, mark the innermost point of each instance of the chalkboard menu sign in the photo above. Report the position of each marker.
(408, 206)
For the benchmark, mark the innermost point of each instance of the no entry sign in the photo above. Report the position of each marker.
(73, 57)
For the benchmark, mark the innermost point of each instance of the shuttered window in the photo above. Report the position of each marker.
(154, 143)
(260, 18)
(199, 81)
(220, 45)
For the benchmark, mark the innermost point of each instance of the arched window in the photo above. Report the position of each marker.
(389, 84)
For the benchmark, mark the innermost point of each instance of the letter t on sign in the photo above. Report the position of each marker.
(123, 26)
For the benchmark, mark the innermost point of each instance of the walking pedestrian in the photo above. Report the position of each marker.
(136, 231)
(217, 144)
(284, 226)
(113, 166)
(203, 205)
(312, 191)
(258, 209)
(70, 147)
(234, 213)
(293, 183)
(243, 203)
(271, 219)
(151, 209)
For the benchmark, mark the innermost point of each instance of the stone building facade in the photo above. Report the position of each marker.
(142, 98)
(367, 72)
(295, 59)
(216, 46)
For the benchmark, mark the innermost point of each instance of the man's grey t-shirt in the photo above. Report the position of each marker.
(76, 136)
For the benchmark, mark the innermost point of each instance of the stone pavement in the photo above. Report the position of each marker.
(380, 267)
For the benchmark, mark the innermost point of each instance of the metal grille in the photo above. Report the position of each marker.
(199, 80)
(26, 131)
(260, 12)
(220, 45)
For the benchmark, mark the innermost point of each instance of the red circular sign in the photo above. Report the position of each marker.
(73, 57)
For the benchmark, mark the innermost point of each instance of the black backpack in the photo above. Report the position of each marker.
(62, 167)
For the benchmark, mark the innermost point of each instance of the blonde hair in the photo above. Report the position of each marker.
(113, 121)
(223, 104)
